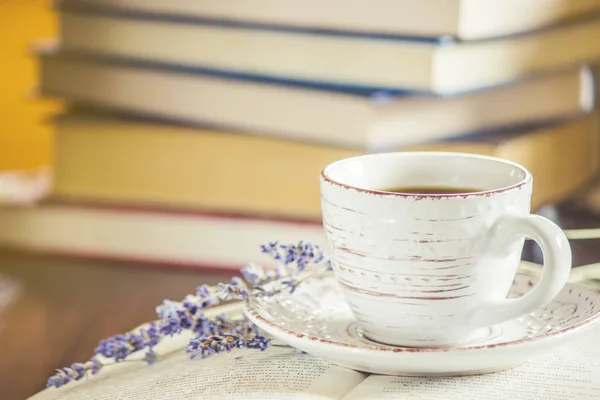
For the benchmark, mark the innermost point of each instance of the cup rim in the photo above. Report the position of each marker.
(527, 177)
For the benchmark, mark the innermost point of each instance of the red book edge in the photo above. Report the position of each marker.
(150, 209)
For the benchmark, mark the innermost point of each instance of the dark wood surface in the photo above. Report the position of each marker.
(63, 307)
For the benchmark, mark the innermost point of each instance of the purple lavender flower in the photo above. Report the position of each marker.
(74, 373)
(194, 320)
(121, 346)
(300, 254)
(150, 357)
(293, 258)
(236, 290)
(206, 326)
(329, 266)
(167, 308)
(303, 253)
(204, 346)
(244, 327)
(79, 370)
(206, 296)
(253, 274)
(291, 284)
(114, 347)
(271, 249)
(170, 326)
(258, 342)
(203, 291)
(95, 365)
(187, 314)
(151, 334)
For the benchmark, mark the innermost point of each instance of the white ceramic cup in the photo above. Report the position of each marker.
(435, 270)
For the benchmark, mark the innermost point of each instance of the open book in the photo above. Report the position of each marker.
(572, 372)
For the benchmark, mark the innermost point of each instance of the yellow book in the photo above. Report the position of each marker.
(111, 160)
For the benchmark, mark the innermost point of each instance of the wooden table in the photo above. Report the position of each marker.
(63, 307)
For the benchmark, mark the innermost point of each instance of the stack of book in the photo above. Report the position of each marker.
(588, 200)
(197, 128)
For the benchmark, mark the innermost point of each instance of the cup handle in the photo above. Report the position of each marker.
(557, 266)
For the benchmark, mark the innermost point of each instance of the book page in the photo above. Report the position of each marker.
(277, 373)
(569, 373)
(592, 284)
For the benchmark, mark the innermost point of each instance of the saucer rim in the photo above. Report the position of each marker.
(254, 316)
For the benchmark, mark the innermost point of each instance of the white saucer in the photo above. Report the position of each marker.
(317, 320)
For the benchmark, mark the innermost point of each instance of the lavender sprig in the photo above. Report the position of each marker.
(238, 334)
(121, 346)
(292, 259)
(74, 373)
(300, 254)
(258, 342)
(214, 335)
(187, 314)
(236, 290)
(215, 344)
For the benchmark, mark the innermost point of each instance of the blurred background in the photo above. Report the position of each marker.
(148, 146)
(25, 140)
